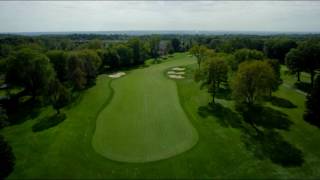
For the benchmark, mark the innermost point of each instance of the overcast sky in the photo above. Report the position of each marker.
(47, 16)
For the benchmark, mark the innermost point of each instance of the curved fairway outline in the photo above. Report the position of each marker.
(177, 149)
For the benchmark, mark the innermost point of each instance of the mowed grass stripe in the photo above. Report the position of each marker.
(144, 120)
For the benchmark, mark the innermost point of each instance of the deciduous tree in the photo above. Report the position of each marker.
(199, 52)
(253, 80)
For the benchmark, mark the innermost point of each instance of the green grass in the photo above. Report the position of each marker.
(224, 149)
(144, 120)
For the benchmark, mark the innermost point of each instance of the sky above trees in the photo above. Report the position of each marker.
(47, 16)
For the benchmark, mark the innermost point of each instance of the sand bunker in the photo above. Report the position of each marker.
(175, 76)
(178, 69)
(171, 72)
(176, 73)
(180, 73)
(117, 75)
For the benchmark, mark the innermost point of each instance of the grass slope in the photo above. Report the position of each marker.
(65, 151)
(144, 120)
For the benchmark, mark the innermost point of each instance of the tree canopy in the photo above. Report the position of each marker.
(253, 80)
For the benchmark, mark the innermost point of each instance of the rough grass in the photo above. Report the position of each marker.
(224, 149)
(144, 120)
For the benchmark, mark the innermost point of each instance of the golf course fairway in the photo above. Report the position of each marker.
(144, 120)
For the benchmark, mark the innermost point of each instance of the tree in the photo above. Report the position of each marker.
(91, 64)
(199, 52)
(59, 60)
(154, 44)
(175, 43)
(242, 55)
(277, 48)
(59, 95)
(169, 48)
(312, 113)
(76, 72)
(5, 50)
(31, 70)
(214, 72)
(275, 65)
(7, 158)
(95, 44)
(310, 53)
(294, 61)
(3, 117)
(253, 80)
(125, 55)
(139, 50)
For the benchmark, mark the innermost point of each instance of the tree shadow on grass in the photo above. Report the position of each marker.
(225, 116)
(48, 122)
(264, 144)
(266, 117)
(280, 102)
(303, 86)
(19, 112)
(224, 93)
(270, 144)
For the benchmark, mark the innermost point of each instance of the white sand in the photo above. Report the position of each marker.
(178, 69)
(171, 72)
(180, 73)
(117, 74)
(176, 77)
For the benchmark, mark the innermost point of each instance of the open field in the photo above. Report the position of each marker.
(106, 122)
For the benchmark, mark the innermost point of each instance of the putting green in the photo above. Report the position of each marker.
(144, 120)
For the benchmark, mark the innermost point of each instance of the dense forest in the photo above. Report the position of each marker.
(53, 70)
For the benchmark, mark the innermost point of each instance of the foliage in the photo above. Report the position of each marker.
(95, 44)
(199, 51)
(242, 55)
(175, 43)
(312, 113)
(125, 55)
(59, 60)
(76, 72)
(3, 117)
(294, 62)
(7, 158)
(215, 72)
(277, 48)
(253, 80)
(154, 44)
(310, 54)
(31, 70)
(59, 95)
(139, 50)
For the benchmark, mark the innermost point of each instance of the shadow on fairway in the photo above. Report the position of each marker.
(266, 117)
(270, 144)
(48, 122)
(225, 116)
(265, 143)
(19, 112)
(303, 86)
(280, 102)
(224, 93)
